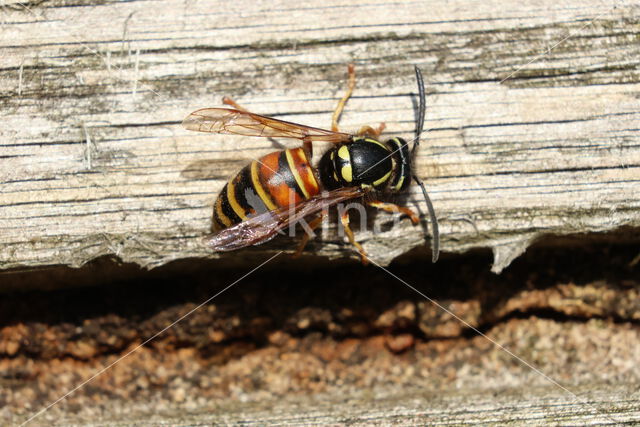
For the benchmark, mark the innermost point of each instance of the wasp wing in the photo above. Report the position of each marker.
(237, 122)
(263, 227)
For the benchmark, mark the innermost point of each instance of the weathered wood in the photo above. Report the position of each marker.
(533, 118)
(608, 404)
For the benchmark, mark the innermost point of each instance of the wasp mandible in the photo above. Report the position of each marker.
(283, 187)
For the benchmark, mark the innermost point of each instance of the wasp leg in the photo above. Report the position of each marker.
(305, 239)
(344, 218)
(351, 70)
(234, 104)
(390, 207)
(373, 132)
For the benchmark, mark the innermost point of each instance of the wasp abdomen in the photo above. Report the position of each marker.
(276, 180)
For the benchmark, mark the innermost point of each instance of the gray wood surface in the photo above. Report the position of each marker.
(601, 404)
(532, 119)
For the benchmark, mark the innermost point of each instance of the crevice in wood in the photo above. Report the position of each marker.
(171, 290)
(290, 312)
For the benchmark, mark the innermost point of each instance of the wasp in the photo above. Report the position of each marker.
(283, 187)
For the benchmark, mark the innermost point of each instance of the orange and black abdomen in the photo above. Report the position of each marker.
(279, 179)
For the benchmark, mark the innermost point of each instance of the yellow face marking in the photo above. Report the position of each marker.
(231, 197)
(296, 174)
(335, 177)
(343, 153)
(383, 179)
(220, 215)
(255, 180)
(347, 173)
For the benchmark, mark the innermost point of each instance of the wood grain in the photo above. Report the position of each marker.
(607, 404)
(533, 115)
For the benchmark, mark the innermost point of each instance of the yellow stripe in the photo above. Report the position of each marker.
(311, 178)
(255, 179)
(225, 220)
(381, 180)
(296, 175)
(231, 197)
(373, 141)
(399, 184)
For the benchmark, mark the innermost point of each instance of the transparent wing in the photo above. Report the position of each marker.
(263, 227)
(236, 122)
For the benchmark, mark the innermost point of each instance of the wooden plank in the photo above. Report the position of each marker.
(533, 406)
(533, 118)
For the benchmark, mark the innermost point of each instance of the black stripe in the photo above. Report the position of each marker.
(226, 207)
(284, 171)
(216, 223)
(245, 193)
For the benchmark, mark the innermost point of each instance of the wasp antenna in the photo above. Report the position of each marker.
(435, 231)
(422, 109)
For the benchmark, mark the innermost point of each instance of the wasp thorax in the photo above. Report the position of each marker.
(363, 162)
